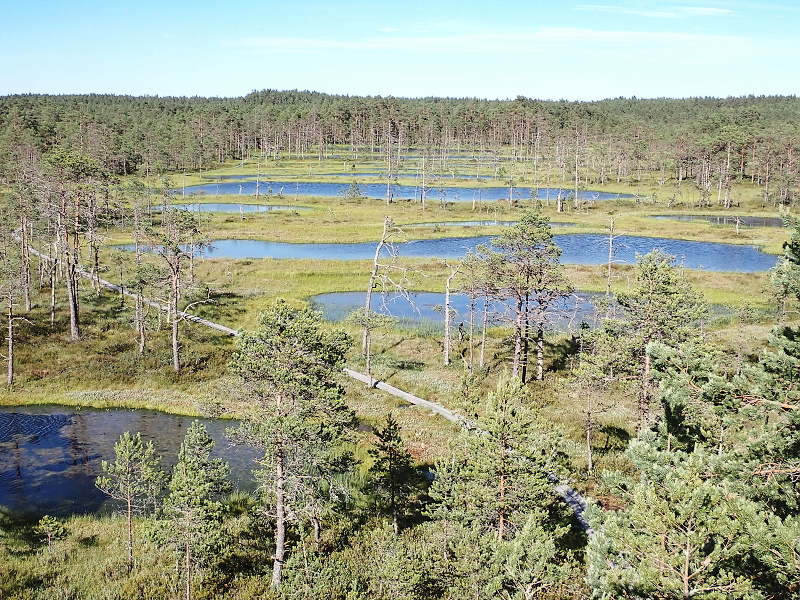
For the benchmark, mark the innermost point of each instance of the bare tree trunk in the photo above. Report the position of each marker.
(540, 354)
(53, 283)
(317, 526)
(142, 328)
(72, 298)
(173, 306)
(139, 311)
(280, 517)
(484, 327)
(187, 564)
(73, 259)
(424, 173)
(10, 379)
(26, 263)
(366, 342)
(471, 333)
(518, 335)
(610, 255)
(728, 179)
(130, 532)
(448, 336)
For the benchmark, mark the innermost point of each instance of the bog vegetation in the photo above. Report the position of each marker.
(677, 417)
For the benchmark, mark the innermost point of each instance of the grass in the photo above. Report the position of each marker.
(104, 368)
(337, 220)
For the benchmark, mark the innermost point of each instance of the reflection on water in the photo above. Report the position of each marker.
(436, 193)
(429, 307)
(230, 177)
(484, 223)
(577, 248)
(430, 178)
(726, 220)
(231, 207)
(50, 458)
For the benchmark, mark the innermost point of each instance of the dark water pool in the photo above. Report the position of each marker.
(484, 223)
(431, 180)
(428, 307)
(50, 456)
(726, 220)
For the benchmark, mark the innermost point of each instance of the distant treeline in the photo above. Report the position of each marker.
(711, 141)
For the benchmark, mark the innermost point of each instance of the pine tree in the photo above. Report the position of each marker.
(530, 278)
(394, 477)
(189, 522)
(712, 511)
(134, 478)
(662, 307)
(682, 534)
(496, 476)
(497, 523)
(288, 370)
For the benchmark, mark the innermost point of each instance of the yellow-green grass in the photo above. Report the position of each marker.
(94, 372)
(88, 561)
(462, 172)
(104, 368)
(338, 220)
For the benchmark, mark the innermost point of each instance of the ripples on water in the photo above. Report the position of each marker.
(49, 458)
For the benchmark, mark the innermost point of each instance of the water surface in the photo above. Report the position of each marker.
(577, 248)
(726, 220)
(428, 307)
(398, 192)
(232, 207)
(421, 307)
(50, 456)
(484, 223)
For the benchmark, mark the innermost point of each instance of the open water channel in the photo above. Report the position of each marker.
(726, 220)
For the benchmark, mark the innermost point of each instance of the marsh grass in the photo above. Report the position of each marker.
(90, 561)
(336, 220)
(104, 369)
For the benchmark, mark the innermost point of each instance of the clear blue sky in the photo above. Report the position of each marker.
(584, 50)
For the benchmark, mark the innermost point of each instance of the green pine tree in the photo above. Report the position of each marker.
(134, 478)
(189, 522)
(393, 476)
(662, 307)
(289, 371)
(683, 534)
(530, 278)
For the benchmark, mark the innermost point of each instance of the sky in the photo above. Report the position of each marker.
(496, 49)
